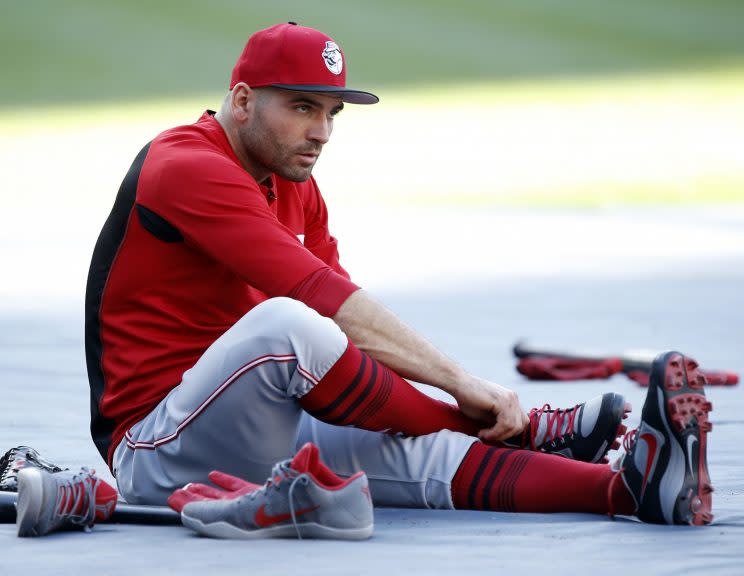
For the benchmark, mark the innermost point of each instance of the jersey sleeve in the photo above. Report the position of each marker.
(318, 238)
(221, 211)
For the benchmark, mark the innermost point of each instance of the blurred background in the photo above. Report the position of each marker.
(542, 104)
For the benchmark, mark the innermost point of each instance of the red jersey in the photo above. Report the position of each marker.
(192, 243)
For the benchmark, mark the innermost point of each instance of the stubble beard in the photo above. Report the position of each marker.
(265, 148)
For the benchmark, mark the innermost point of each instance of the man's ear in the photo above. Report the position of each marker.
(242, 101)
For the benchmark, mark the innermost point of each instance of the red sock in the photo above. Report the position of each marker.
(507, 480)
(360, 391)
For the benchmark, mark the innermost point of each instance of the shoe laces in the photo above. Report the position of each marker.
(556, 421)
(281, 472)
(629, 439)
(77, 497)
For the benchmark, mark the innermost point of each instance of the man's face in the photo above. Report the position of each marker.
(288, 129)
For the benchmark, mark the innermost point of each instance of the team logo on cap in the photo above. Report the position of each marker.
(332, 57)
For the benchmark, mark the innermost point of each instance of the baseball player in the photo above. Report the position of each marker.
(222, 333)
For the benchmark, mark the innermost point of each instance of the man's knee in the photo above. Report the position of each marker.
(282, 313)
(288, 328)
(288, 319)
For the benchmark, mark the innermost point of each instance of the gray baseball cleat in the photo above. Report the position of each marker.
(665, 466)
(62, 500)
(584, 432)
(302, 499)
(15, 460)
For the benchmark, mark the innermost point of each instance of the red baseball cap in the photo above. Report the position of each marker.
(296, 58)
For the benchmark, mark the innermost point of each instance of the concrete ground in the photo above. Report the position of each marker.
(473, 281)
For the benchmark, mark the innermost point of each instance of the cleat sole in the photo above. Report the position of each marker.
(667, 472)
(688, 411)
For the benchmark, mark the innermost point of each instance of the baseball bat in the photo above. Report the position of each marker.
(632, 361)
(123, 514)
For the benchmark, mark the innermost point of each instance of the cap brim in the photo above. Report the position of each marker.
(347, 95)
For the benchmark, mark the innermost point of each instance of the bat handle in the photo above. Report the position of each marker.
(720, 378)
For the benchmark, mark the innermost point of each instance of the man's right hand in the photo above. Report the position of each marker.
(494, 405)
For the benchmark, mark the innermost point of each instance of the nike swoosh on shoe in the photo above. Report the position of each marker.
(653, 444)
(265, 520)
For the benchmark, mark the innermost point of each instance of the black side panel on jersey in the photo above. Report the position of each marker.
(107, 246)
(157, 225)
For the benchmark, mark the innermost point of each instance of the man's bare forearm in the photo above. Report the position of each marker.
(381, 334)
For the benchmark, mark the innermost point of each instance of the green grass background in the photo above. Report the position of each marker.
(87, 50)
(101, 55)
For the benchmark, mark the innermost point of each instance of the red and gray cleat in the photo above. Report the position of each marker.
(665, 467)
(585, 432)
(62, 500)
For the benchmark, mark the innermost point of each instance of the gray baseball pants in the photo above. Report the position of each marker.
(237, 410)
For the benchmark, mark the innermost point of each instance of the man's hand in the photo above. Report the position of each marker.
(494, 405)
